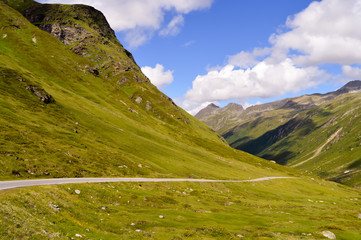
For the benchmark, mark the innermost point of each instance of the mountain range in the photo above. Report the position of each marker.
(316, 133)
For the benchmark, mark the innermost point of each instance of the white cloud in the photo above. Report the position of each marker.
(137, 37)
(158, 76)
(243, 60)
(173, 28)
(146, 15)
(248, 59)
(325, 32)
(351, 73)
(264, 80)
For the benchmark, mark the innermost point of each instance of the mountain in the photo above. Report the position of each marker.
(205, 112)
(75, 104)
(353, 86)
(219, 118)
(299, 132)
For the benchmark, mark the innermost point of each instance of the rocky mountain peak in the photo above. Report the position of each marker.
(207, 111)
(350, 87)
(212, 105)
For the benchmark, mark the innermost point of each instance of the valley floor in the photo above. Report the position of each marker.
(299, 208)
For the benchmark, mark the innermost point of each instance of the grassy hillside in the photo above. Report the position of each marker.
(112, 123)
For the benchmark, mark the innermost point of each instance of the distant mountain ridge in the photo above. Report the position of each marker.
(217, 117)
(292, 130)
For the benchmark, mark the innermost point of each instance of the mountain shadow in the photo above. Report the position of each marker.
(260, 144)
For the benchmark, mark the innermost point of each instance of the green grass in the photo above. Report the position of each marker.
(21, 5)
(295, 209)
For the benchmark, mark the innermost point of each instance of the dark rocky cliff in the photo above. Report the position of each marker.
(86, 31)
(63, 22)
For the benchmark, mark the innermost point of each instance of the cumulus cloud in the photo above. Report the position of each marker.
(248, 59)
(323, 33)
(351, 73)
(137, 37)
(264, 80)
(158, 76)
(146, 15)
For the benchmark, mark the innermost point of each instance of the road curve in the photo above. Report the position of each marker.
(36, 182)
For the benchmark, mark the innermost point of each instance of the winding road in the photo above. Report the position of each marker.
(27, 183)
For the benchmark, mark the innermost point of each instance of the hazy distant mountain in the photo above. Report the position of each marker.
(297, 132)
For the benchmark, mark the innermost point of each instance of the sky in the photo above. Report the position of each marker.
(244, 51)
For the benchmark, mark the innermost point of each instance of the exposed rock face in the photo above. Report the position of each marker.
(86, 31)
(68, 35)
(41, 94)
(62, 21)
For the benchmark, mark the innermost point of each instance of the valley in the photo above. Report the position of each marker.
(317, 133)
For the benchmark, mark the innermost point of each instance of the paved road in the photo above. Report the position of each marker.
(26, 183)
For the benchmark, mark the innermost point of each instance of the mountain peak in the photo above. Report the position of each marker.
(350, 87)
(212, 105)
(234, 107)
(354, 83)
(207, 111)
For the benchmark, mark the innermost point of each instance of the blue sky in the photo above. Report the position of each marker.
(244, 51)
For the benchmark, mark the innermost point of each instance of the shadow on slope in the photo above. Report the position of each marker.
(277, 136)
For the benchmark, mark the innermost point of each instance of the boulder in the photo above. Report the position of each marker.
(328, 234)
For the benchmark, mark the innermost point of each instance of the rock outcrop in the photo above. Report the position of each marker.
(40, 93)
(86, 31)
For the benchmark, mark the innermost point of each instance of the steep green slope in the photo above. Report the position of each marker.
(99, 121)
